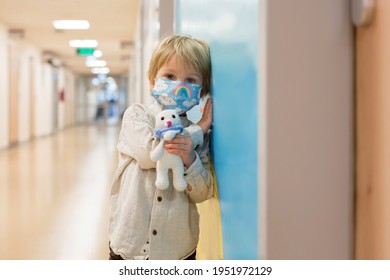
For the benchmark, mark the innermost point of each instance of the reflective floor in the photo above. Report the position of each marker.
(54, 194)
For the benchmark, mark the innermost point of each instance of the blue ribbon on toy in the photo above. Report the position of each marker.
(159, 132)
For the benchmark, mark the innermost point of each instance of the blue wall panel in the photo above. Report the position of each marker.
(231, 29)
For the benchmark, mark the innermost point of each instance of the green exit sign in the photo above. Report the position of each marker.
(85, 51)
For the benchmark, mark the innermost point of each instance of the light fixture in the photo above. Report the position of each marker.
(90, 57)
(71, 24)
(97, 53)
(101, 70)
(96, 63)
(83, 43)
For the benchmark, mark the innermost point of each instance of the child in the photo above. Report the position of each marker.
(145, 222)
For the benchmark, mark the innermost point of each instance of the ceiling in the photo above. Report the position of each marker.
(113, 23)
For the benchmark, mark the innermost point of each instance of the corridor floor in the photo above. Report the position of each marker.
(54, 194)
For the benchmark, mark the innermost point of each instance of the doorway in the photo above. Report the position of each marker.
(14, 74)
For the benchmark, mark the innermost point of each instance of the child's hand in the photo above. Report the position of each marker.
(182, 146)
(207, 116)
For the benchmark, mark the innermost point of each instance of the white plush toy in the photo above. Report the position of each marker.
(168, 124)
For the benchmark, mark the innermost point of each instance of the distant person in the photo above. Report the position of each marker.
(101, 106)
(145, 222)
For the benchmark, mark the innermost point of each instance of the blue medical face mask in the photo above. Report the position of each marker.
(177, 95)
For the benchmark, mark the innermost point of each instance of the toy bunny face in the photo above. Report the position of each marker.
(167, 119)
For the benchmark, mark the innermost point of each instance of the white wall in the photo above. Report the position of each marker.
(134, 94)
(85, 100)
(147, 39)
(4, 85)
(33, 71)
(24, 94)
(150, 39)
(43, 102)
(167, 18)
(40, 95)
(46, 104)
(30, 57)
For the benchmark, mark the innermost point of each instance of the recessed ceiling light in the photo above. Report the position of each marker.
(71, 24)
(96, 63)
(90, 57)
(83, 43)
(97, 53)
(102, 70)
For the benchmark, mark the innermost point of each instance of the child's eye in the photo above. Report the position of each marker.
(191, 81)
(170, 77)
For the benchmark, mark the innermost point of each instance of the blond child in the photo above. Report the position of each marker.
(145, 222)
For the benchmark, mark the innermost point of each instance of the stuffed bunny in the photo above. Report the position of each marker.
(168, 124)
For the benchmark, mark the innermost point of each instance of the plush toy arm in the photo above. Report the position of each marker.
(157, 153)
(169, 135)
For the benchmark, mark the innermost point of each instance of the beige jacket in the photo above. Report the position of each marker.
(146, 222)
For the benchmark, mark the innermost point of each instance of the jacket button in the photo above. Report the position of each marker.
(154, 232)
(159, 199)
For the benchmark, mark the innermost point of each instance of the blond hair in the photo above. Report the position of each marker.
(191, 51)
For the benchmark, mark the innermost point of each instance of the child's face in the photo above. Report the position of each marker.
(176, 70)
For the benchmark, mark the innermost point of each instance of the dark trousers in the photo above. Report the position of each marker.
(114, 256)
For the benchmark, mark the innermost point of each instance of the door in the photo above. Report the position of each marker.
(14, 73)
(373, 136)
(32, 97)
(55, 98)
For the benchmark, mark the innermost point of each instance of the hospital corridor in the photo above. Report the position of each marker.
(298, 130)
(54, 195)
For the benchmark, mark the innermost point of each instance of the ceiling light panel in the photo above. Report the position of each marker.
(96, 63)
(97, 53)
(71, 24)
(83, 43)
(103, 70)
